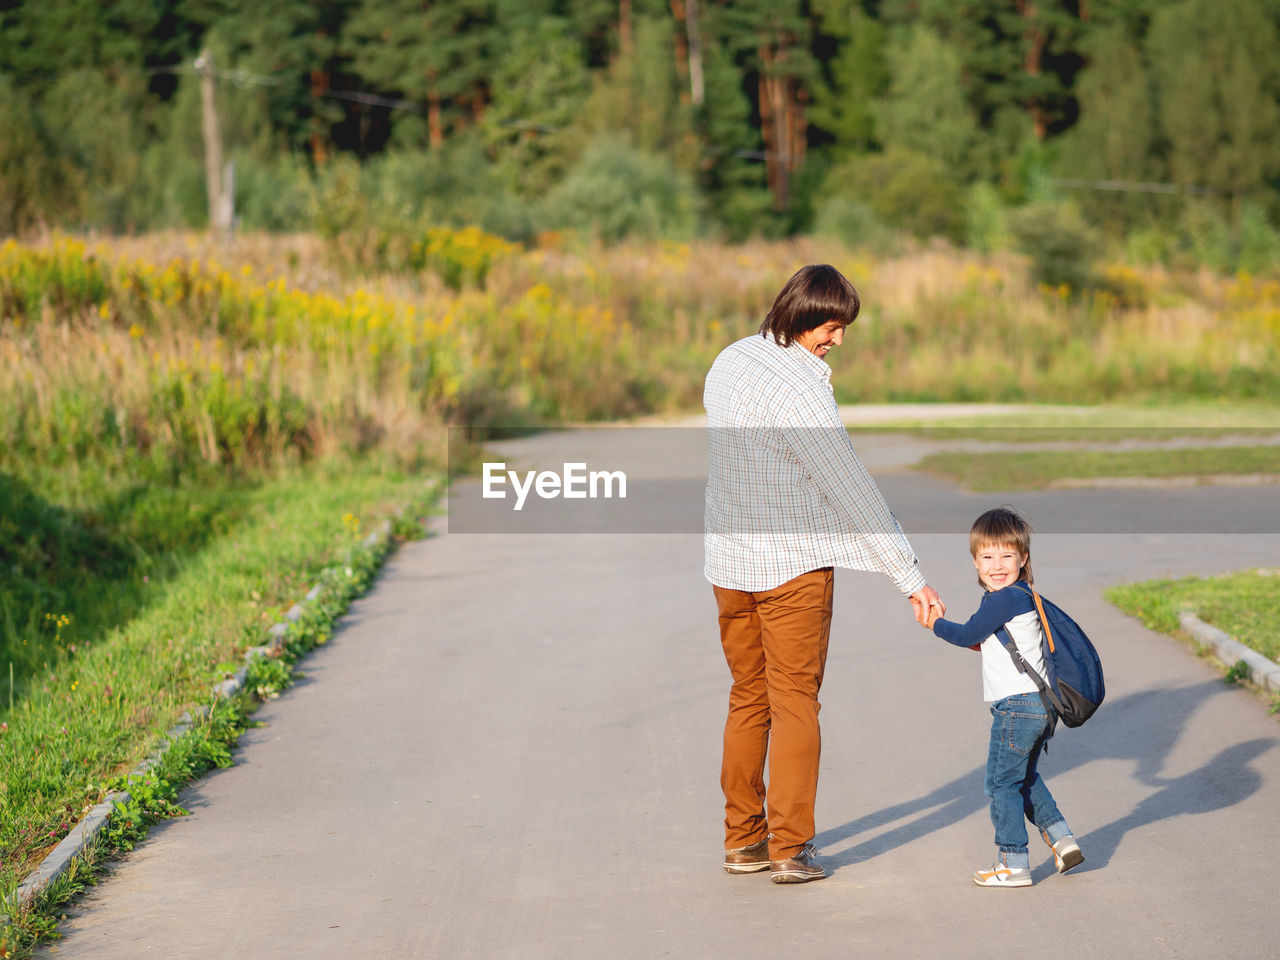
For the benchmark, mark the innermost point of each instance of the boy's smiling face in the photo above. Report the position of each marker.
(998, 564)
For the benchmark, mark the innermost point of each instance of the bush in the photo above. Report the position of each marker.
(1062, 247)
(461, 258)
(96, 124)
(986, 219)
(903, 189)
(173, 163)
(616, 191)
(1209, 234)
(31, 178)
(341, 205)
(445, 187)
(1259, 241)
(744, 212)
(454, 186)
(852, 222)
(1149, 246)
(375, 211)
(276, 196)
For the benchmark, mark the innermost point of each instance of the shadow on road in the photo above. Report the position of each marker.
(1142, 727)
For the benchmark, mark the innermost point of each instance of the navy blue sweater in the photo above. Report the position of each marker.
(997, 608)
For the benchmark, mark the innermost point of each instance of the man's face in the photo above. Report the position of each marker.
(821, 339)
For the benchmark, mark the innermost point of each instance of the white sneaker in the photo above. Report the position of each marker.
(1003, 875)
(1066, 854)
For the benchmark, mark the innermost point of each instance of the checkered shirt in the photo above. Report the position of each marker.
(786, 493)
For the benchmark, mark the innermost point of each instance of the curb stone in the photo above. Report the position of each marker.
(87, 831)
(1262, 672)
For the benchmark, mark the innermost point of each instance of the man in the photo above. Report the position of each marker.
(787, 499)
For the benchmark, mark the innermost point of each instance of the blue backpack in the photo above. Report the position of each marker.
(1074, 688)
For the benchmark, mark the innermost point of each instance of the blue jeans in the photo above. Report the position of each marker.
(1019, 731)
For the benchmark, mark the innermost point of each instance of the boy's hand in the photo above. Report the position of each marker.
(927, 606)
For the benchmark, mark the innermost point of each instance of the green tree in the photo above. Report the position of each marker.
(432, 52)
(1061, 245)
(856, 76)
(596, 23)
(98, 128)
(638, 97)
(173, 161)
(538, 89)
(32, 180)
(287, 52)
(770, 40)
(732, 176)
(39, 42)
(1114, 138)
(1013, 56)
(925, 109)
(1217, 81)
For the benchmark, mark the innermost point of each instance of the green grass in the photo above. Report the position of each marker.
(1101, 424)
(77, 562)
(1033, 469)
(87, 714)
(152, 797)
(1245, 605)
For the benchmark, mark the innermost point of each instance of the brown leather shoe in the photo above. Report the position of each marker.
(801, 868)
(750, 859)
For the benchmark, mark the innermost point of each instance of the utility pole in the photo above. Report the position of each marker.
(695, 52)
(221, 201)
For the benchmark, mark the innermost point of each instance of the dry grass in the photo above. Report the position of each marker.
(174, 346)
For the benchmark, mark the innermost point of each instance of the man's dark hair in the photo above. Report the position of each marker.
(815, 295)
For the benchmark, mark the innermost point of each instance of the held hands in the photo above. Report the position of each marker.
(934, 614)
(927, 606)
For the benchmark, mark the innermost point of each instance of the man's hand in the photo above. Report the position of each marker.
(927, 606)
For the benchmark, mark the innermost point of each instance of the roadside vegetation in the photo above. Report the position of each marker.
(1167, 419)
(106, 692)
(191, 431)
(1244, 605)
(90, 697)
(1035, 469)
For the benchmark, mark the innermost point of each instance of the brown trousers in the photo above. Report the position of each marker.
(775, 642)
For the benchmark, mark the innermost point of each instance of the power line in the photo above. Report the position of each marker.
(1127, 186)
(245, 78)
(373, 100)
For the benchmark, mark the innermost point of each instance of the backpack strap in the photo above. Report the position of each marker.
(1044, 621)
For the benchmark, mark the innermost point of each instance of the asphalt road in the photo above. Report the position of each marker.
(510, 749)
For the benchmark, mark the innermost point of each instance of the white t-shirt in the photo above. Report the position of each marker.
(1000, 676)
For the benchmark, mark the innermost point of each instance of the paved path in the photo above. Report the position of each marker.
(510, 749)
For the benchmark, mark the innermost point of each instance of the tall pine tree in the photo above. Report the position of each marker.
(1115, 136)
(1218, 83)
(771, 40)
(854, 77)
(431, 52)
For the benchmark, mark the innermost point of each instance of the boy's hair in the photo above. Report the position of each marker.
(1003, 526)
(815, 295)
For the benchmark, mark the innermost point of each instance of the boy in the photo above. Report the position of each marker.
(1000, 542)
